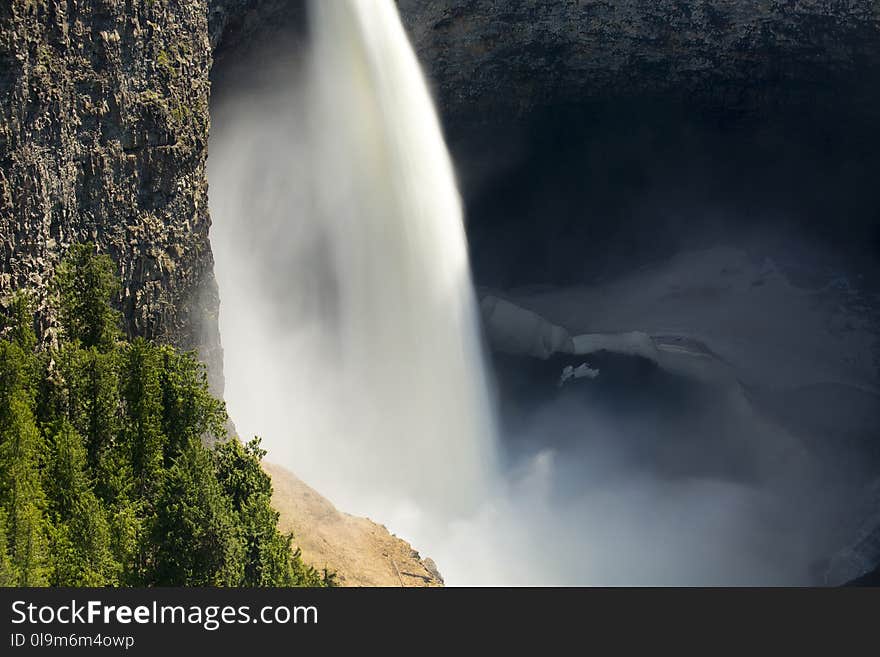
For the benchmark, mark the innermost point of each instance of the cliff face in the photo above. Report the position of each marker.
(103, 134)
(487, 58)
(512, 57)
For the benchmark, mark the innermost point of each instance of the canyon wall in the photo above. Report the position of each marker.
(103, 138)
(487, 57)
(732, 55)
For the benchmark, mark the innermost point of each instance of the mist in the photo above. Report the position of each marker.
(350, 325)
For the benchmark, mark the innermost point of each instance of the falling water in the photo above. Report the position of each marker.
(409, 335)
(348, 315)
(351, 345)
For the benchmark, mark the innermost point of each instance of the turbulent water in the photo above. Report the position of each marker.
(348, 315)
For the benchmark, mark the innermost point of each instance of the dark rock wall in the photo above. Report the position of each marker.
(591, 136)
(513, 56)
(233, 24)
(103, 137)
(491, 58)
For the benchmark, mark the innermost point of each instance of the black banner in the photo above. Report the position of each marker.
(156, 621)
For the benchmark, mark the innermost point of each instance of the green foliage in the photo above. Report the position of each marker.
(105, 478)
(81, 544)
(195, 531)
(188, 408)
(7, 572)
(19, 321)
(85, 390)
(269, 556)
(163, 59)
(143, 403)
(85, 283)
(21, 493)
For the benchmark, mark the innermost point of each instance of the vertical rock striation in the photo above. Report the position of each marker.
(103, 138)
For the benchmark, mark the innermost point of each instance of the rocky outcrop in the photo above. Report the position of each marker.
(103, 138)
(359, 551)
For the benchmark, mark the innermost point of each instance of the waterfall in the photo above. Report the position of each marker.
(351, 346)
(409, 336)
(348, 316)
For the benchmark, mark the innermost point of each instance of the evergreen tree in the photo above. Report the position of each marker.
(270, 559)
(21, 493)
(84, 390)
(142, 394)
(195, 531)
(189, 409)
(81, 544)
(100, 398)
(85, 283)
(129, 540)
(19, 321)
(105, 477)
(7, 571)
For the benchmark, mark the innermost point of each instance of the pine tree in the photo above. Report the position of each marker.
(142, 393)
(21, 493)
(81, 544)
(101, 401)
(198, 542)
(130, 540)
(8, 576)
(85, 283)
(188, 409)
(270, 559)
(19, 321)
(105, 477)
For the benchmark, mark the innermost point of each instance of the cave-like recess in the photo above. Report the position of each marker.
(592, 136)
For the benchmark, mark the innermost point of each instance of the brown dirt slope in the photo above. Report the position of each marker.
(361, 552)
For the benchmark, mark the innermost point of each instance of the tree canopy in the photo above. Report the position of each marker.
(106, 476)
